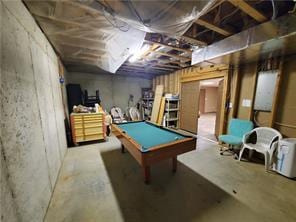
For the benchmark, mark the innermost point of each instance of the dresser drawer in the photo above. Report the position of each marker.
(79, 131)
(79, 139)
(78, 126)
(94, 117)
(77, 118)
(91, 130)
(92, 124)
(97, 136)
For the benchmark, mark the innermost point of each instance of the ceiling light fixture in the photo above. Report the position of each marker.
(208, 83)
(137, 55)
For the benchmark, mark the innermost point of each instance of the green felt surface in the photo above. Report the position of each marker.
(148, 135)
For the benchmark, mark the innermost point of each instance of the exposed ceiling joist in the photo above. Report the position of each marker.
(213, 27)
(167, 66)
(182, 58)
(135, 74)
(143, 67)
(166, 61)
(170, 47)
(193, 40)
(142, 64)
(246, 8)
(151, 49)
(146, 71)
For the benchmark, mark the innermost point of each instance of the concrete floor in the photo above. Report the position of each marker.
(206, 126)
(98, 183)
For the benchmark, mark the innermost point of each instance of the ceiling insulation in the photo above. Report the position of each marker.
(172, 18)
(92, 35)
(107, 33)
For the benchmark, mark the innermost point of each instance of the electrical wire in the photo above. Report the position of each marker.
(161, 13)
(229, 15)
(108, 11)
(274, 12)
(156, 16)
(124, 28)
(136, 13)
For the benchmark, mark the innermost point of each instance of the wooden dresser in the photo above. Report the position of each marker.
(87, 127)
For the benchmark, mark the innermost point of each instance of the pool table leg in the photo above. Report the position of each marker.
(122, 148)
(174, 163)
(147, 174)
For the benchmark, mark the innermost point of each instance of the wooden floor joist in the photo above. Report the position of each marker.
(193, 40)
(170, 47)
(249, 10)
(213, 27)
(173, 56)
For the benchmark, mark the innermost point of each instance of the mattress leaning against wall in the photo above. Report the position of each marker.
(32, 117)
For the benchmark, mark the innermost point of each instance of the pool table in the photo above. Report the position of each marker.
(149, 143)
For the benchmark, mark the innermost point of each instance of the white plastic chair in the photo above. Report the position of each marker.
(266, 143)
(117, 115)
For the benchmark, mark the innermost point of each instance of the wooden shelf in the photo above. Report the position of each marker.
(172, 119)
(172, 99)
(147, 107)
(172, 110)
(148, 98)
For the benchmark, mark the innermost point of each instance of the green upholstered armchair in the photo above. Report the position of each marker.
(236, 130)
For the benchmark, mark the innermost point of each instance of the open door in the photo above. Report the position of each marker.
(219, 107)
(189, 106)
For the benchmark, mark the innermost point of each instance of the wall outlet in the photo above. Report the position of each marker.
(246, 103)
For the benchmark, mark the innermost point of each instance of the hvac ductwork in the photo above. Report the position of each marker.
(272, 38)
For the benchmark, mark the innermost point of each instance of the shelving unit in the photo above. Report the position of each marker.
(147, 107)
(147, 104)
(171, 115)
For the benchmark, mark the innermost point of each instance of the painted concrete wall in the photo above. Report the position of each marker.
(114, 89)
(8, 209)
(32, 117)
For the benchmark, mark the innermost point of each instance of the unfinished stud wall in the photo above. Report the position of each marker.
(32, 116)
(114, 89)
(285, 118)
(247, 88)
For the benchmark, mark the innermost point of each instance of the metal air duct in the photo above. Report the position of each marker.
(273, 38)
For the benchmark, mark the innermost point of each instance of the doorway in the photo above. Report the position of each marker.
(210, 97)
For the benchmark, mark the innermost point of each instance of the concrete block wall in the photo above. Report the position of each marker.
(33, 141)
(114, 89)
